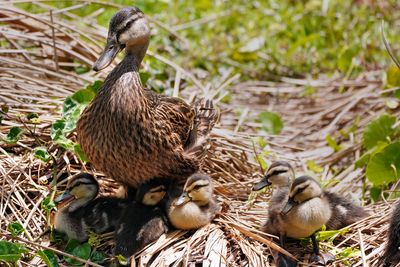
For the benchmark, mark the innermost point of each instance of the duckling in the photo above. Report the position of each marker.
(131, 133)
(81, 212)
(281, 174)
(195, 207)
(142, 222)
(305, 211)
(391, 256)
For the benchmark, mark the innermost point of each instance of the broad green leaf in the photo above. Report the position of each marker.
(15, 229)
(31, 116)
(397, 94)
(13, 135)
(95, 87)
(49, 257)
(79, 250)
(81, 69)
(375, 193)
(270, 122)
(330, 235)
(42, 154)
(393, 76)
(379, 130)
(311, 165)
(122, 260)
(47, 204)
(384, 167)
(83, 96)
(332, 143)
(11, 252)
(364, 159)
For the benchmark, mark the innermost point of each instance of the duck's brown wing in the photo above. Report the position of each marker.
(177, 114)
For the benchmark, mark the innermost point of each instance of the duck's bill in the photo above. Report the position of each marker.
(107, 56)
(289, 205)
(183, 199)
(65, 198)
(261, 184)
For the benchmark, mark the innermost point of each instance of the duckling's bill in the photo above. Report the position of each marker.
(64, 198)
(261, 184)
(289, 205)
(183, 199)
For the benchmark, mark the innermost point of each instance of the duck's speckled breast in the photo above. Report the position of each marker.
(119, 136)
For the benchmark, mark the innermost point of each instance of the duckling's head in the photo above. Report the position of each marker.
(303, 189)
(82, 188)
(151, 192)
(198, 189)
(128, 28)
(280, 173)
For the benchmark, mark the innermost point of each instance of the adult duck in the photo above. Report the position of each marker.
(131, 133)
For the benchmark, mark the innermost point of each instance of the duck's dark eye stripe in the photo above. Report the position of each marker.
(127, 25)
(277, 172)
(196, 187)
(300, 190)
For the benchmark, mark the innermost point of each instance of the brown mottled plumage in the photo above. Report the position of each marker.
(131, 133)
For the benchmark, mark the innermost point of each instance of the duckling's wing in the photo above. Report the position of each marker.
(344, 212)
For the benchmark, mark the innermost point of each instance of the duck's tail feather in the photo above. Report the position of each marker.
(205, 119)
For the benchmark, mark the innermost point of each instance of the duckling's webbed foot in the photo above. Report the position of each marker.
(320, 258)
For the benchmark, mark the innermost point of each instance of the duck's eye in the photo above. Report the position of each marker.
(301, 190)
(110, 47)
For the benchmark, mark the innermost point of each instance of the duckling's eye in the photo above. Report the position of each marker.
(299, 191)
(277, 172)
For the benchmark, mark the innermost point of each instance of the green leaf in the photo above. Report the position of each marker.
(261, 161)
(83, 96)
(79, 250)
(345, 59)
(397, 94)
(47, 204)
(11, 252)
(95, 87)
(375, 193)
(42, 154)
(271, 122)
(379, 130)
(98, 257)
(122, 260)
(144, 77)
(330, 235)
(262, 142)
(392, 103)
(384, 167)
(49, 257)
(78, 151)
(32, 115)
(311, 165)
(332, 143)
(13, 135)
(15, 229)
(393, 76)
(364, 159)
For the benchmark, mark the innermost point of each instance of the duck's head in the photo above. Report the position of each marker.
(151, 193)
(128, 29)
(303, 189)
(198, 189)
(280, 173)
(82, 188)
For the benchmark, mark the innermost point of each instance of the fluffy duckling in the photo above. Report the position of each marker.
(281, 175)
(81, 212)
(391, 256)
(142, 222)
(195, 207)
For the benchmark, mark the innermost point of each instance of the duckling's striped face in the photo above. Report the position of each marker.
(198, 189)
(304, 188)
(128, 27)
(154, 195)
(81, 186)
(280, 173)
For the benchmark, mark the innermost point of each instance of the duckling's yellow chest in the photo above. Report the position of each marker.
(189, 216)
(306, 218)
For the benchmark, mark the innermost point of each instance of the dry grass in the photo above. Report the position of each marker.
(37, 73)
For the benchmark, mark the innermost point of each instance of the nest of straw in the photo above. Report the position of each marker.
(38, 55)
